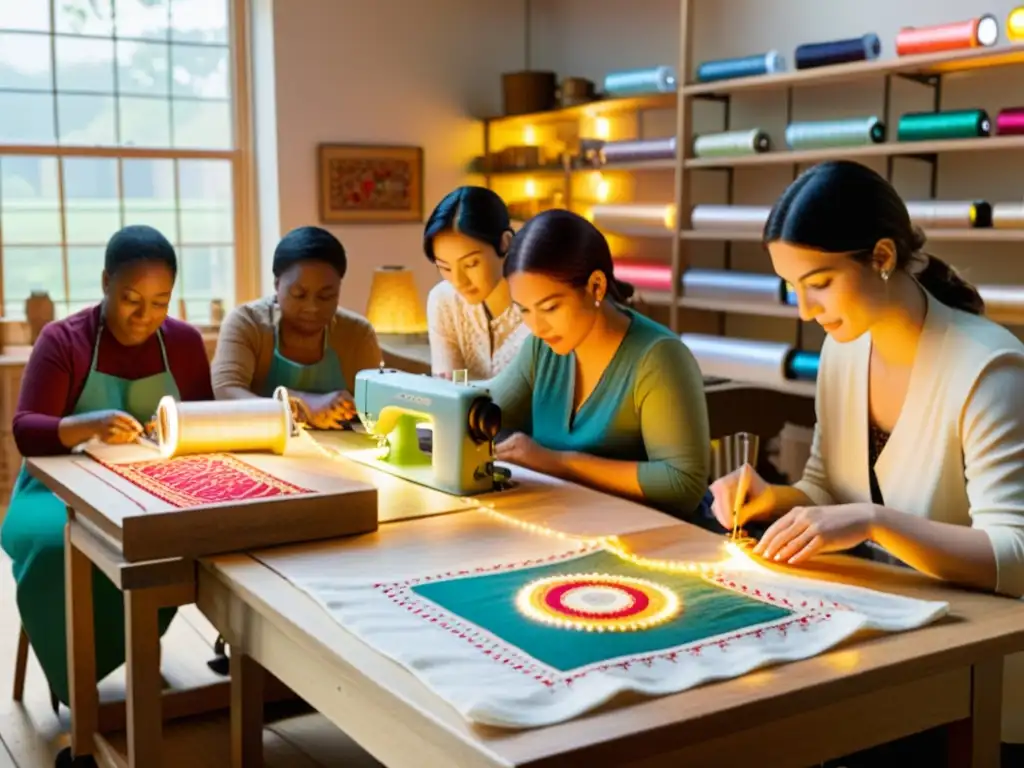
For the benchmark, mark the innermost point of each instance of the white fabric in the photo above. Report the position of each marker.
(956, 454)
(501, 688)
(461, 335)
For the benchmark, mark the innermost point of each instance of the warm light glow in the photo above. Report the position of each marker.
(670, 217)
(603, 128)
(529, 135)
(530, 188)
(394, 305)
(604, 189)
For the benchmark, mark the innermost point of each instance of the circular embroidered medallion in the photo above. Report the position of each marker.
(597, 602)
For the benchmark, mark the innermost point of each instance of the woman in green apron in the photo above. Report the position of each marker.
(98, 374)
(298, 338)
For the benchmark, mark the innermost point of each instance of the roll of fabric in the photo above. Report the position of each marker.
(973, 33)
(638, 150)
(743, 66)
(725, 285)
(952, 124)
(731, 143)
(831, 134)
(950, 214)
(744, 218)
(810, 55)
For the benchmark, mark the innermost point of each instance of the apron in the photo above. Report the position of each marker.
(321, 377)
(33, 536)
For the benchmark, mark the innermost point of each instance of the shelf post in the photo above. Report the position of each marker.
(684, 146)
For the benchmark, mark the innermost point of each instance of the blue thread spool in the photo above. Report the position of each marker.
(810, 55)
(636, 82)
(745, 66)
(831, 134)
(802, 365)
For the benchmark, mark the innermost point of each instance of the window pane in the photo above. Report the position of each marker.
(27, 118)
(84, 17)
(200, 71)
(85, 65)
(92, 211)
(142, 68)
(86, 120)
(149, 195)
(205, 274)
(85, 275)
(202, 125)
(25, 14)
(141, 18)
(199, 21)
(145, 122)
(204, 187)
(29, 201)
(28, 269)
(25, 62)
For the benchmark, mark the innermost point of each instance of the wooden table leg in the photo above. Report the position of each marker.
(976, 742)
(247, 682)
(81, 644)
(142, 642)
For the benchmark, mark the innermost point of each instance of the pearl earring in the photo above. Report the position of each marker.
(885, 275)
(597, 302)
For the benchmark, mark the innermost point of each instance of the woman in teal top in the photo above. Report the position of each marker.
(600, 394)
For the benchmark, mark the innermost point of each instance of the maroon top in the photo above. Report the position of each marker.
(55, 374)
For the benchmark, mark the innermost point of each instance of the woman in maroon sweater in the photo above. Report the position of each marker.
(97, 374)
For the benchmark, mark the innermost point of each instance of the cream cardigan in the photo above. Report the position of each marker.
(956, 454)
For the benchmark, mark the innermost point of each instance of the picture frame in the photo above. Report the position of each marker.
(370, 183)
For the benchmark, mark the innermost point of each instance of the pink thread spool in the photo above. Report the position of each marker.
(1010, 122)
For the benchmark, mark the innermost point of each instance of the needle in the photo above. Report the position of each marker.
(742, 488)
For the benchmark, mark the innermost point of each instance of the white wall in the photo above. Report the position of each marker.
(379, 71)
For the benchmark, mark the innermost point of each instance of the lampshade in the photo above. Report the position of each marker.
(394, 305)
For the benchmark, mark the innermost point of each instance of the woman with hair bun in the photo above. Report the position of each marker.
(600, 394)
(918, 450)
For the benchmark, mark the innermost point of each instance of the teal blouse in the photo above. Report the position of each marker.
(647, 407)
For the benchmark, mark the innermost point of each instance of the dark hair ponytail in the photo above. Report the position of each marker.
(844, 207)
(568, 248)
(476, 212)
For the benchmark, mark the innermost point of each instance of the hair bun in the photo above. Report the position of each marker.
(623, 291)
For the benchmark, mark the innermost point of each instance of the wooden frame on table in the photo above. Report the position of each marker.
(383, 184)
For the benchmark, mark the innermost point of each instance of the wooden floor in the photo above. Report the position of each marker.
(31, 735)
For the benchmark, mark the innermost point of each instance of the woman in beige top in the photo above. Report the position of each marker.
(298, 338)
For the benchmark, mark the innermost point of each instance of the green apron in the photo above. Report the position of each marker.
(33, 536)
(321, 377)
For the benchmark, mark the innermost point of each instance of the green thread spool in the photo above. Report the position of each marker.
(731, 143)
(955, 124)
(828, 134)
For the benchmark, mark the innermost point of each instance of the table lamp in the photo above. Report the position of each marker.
(394, 306)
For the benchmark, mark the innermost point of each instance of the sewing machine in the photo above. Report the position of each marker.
(463, 418)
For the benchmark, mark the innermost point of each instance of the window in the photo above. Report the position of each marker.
(116, 112)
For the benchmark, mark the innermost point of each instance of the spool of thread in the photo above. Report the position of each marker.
(757, 362)
(611, 216)
(644, 275)
(731, 143)
(974, 33)
(1015, 25)
(257, 424)
(954, 124)
(638, 150)
(745, 218)
(725, 285)
(1003, 304)
(810, 55)
(744, 66)
(1010, 122)
(802, 365)
(950, 214)
(631, 82)
(828, 134)
(1008, 215)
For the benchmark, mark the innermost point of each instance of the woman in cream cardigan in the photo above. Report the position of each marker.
(918, 451)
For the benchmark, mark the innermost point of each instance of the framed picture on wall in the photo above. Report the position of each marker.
(370, 183)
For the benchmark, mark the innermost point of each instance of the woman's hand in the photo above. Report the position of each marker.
(808, 531)
(115, 427)
(329, 411)
(521, 449)
(759, 499)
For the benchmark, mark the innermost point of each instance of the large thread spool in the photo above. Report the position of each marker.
(1010, 122)
(950, 214)
(758, 362)
(802, 365)
(633, 82)
(973, 33)
(1008, 216)
(743, 66)
(954, 124)
(829, 134)
(1015, 25)
(746, 218)
(731, 143)
(1003, 304)
(644, 275)
(256, 424)
(613, 216)
(638, 150)
(726, 285)
(810, 55)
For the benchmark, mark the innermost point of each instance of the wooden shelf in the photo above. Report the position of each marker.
(599, 108)
(924, 64)
(945, 235)
(642, 165)
(758, 309)
(885, 149)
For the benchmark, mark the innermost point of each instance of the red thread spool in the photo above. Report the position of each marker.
(644, 275)
(975, 33)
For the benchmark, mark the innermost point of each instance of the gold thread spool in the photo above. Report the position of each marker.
(1008, 215)
(731, 143)
(949, 214)
(257, 424)
(1015, 25)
